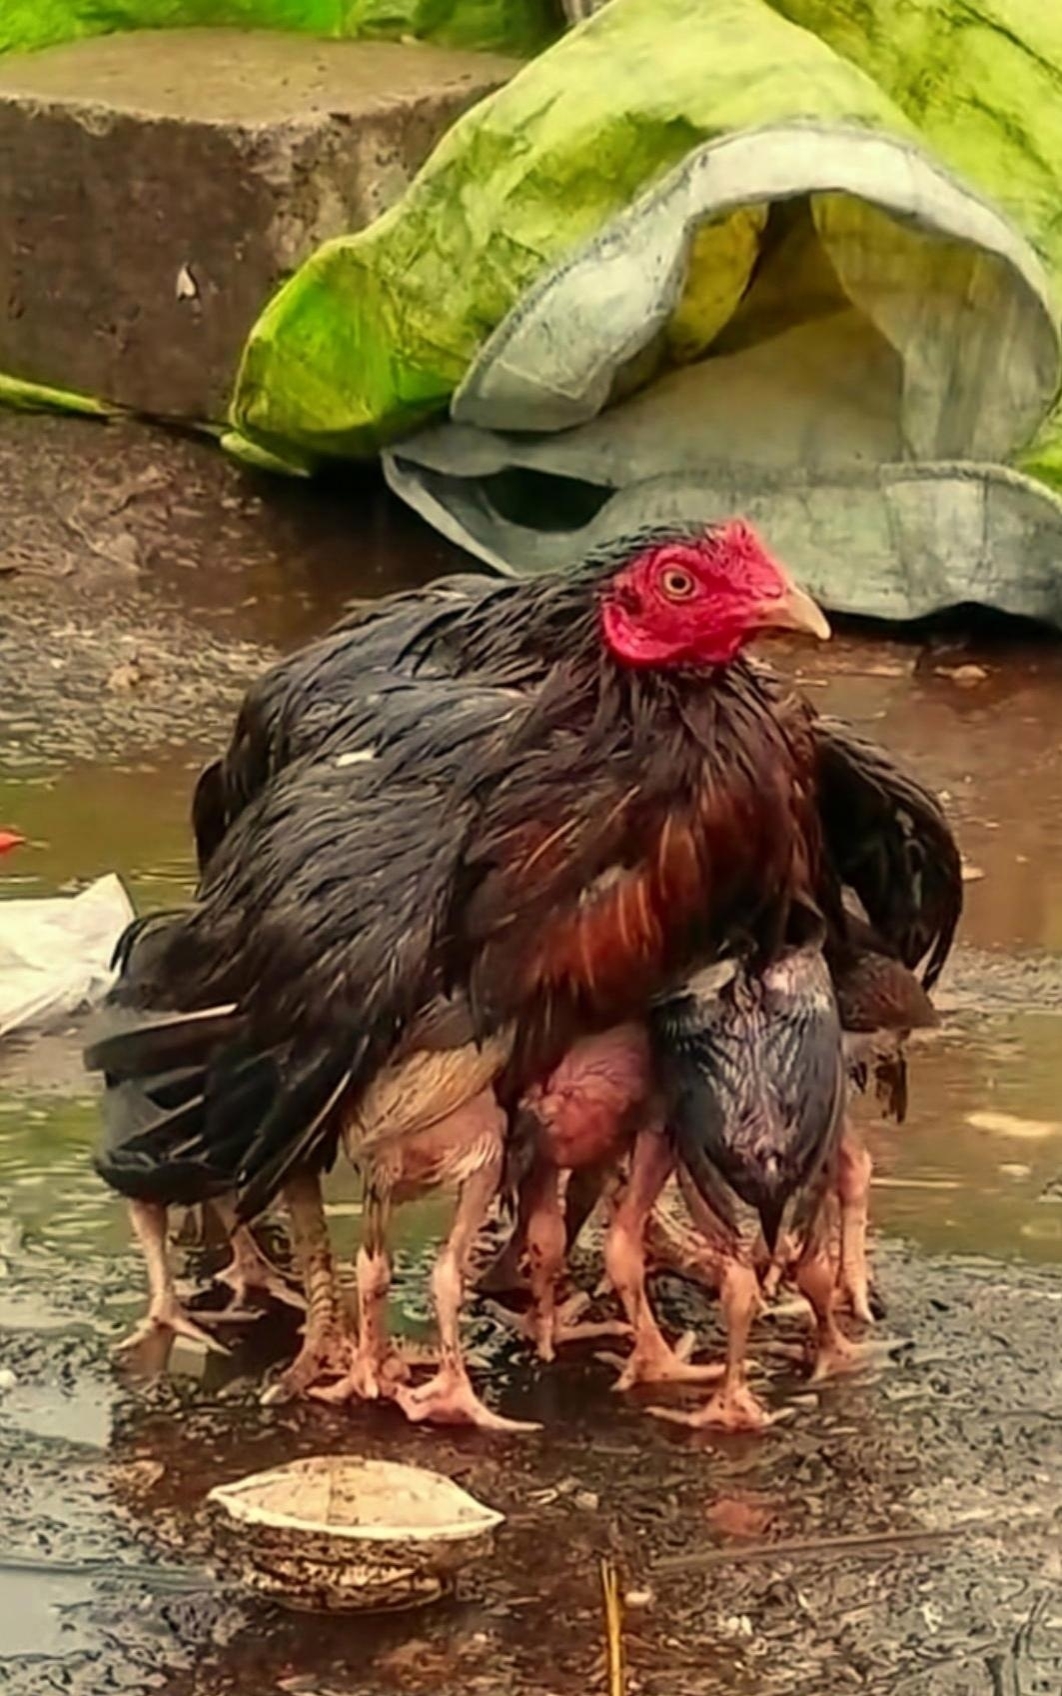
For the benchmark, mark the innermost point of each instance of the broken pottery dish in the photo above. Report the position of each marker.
(336, 1533)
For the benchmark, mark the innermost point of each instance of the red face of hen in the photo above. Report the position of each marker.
(697, 602)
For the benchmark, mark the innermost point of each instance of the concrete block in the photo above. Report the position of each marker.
(156, 187)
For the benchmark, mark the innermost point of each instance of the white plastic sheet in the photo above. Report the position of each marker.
(55, 954)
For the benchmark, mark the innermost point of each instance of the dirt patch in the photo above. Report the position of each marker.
(144, 579)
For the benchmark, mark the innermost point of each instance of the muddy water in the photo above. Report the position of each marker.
(104, 1545)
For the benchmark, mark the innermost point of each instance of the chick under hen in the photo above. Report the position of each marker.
(752, 1073)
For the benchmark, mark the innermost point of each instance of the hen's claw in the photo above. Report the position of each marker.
(550, 1332)
(655, 1363)
(839, 1356)
(366, 1380)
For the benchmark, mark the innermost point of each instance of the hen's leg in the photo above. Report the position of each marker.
(853, 1189)
(699, 1248)
(652, 1360)
(547, 1324)
(165, 1312)
(585, 1189)
(325, 1350)
(449, 1398)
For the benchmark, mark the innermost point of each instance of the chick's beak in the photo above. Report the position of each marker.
(797, 611)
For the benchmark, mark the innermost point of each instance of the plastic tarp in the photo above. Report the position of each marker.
(503, 26)
(699, 257)
(56, 952)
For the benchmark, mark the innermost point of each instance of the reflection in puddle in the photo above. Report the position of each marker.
(40, 1615)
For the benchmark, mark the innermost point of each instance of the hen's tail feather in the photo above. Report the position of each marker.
(300, 1129)
(770, 1212)
(709, 1182)
(139, 928)
(769, 1204)
(891, 842)
(153, 1146)
(210, 812)
(146, 1045)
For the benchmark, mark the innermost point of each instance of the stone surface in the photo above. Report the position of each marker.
(155, 188)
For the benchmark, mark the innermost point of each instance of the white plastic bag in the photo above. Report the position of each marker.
(55, 954)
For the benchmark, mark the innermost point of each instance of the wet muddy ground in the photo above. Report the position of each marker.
(899, 1533)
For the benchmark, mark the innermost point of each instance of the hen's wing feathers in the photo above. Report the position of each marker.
(313, 697)
(678, 839)
(891, 843)
(316, 923)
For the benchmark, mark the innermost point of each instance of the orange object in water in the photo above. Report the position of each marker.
(10, 839)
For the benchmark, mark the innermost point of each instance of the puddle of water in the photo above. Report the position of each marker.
(992, 748)
(79, 1414)
(40, 1616)
(79, 824)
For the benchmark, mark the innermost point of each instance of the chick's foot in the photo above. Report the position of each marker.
(167, 1315)
(449, 1399)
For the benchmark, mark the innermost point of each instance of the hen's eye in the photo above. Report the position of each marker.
(677, 585)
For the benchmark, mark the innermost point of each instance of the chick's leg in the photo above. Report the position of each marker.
(733, 1407)
(325, 1350)
(165, 1312)
(449, 1397)
(815, 1278)
(853, 1190)
(505, 1273)
(652, 1360)
(548, 1235)
(249, 1270)
(376, 1365)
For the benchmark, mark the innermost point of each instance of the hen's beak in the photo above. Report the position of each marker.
(797, 611)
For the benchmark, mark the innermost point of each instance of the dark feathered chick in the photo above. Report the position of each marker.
(751, 1068)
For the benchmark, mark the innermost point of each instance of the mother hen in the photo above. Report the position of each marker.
(640, 807)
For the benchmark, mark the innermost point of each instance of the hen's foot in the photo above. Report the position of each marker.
(167, 1314)
(325, 1354)
(449, 1399)
(730, 1409)
(861, 1299)
(653, 1361)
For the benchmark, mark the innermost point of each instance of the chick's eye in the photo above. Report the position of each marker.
(677, 584)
